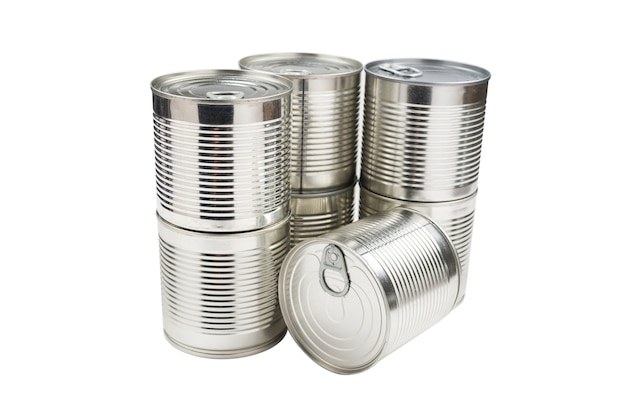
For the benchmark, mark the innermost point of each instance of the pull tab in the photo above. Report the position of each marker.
(333, 272)
(225, 95)
(401, 70)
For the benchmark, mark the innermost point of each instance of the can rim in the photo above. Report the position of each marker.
(324, 194)
(450, 245)
(445, 203)
(158, 83)
(245, 63)
(224, 234)
(486, 75)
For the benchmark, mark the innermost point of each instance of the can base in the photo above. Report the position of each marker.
(225, 354)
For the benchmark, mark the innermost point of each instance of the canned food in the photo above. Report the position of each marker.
(219, 293)
(326, 111)
(222, 141)
(423, 128)
(353, 296)
(316, 214)
(455, 217)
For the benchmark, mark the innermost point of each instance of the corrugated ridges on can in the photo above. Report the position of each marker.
(456, 218)
(219, 290)
(324, 139)
(222, 149)
(326, 112)
(215, 176)
(422, 129)
(316, 214)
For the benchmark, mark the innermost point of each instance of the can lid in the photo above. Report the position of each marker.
(333, 305)
(221, 86)
(301, 65)
(427, 71)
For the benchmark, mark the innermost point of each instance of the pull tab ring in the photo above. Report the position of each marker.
(225, 95)
(401, 70)
(334, 266)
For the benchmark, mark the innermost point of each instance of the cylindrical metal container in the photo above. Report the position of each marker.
(222, 144)
(326, 111)
(316, 214)
(219, 290)
(422, 128)
(351, 297)
(455, 217)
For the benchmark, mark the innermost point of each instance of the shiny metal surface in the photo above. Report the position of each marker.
(326, 106)
(316, 214)
(222, 149)
(455, 217)
(402, 277)
(423, 128)
(219, 293)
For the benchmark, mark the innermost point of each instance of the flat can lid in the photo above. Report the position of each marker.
(221, 86)
(428, 71)
(334, 306)
(302, 65)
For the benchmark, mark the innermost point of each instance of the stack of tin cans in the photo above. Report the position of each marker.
(324, 141)
(222, 169)
(352, 296)
(253, 162)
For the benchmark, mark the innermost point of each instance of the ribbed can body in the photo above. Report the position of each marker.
(222, 149)
(353, 296)
(456, 218)
(325, 117)
(422, 132)
(220, 290)
(316, 214)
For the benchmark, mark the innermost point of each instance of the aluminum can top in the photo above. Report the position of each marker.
(428, 71)
(296, 65)
(219, 86)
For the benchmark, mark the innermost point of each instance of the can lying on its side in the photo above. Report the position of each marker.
(219, 290)
(222, 147)
(455, 217)
(315, 214)
(351, 297)
(422, 128)
(326, 110)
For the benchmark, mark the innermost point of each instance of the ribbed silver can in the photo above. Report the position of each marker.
(222, 149)
(219, 291)
(422, 128)
(316, 214)
(355, 295)
(326, 111)
(455, 217)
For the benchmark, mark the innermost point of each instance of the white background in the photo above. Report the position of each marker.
(541, 332)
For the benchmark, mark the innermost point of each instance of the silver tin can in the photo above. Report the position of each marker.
(316, 214)
(455, 217)
(422, 128)
(326, 111)
(219, 293)
(222, 141)
(353, 296)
